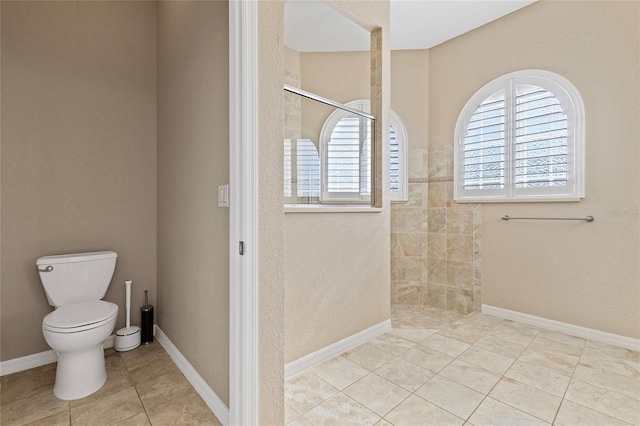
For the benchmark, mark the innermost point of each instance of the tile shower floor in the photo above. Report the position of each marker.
(143, 387)
(440, 368)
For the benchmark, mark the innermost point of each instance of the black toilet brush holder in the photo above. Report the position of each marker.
(146, 320)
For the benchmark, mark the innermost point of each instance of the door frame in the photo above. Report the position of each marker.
(243, 213)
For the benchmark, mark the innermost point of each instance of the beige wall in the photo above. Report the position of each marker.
(337, 264)
(270, 178)
(410, 98)
(574, 272)
(193, 159)
(78, 151)
(349, 81)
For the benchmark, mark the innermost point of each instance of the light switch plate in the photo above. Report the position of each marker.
(223, 195)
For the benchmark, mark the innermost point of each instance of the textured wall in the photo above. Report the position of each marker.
(322, 304)
(78, 151)
(337, 264)
(576, 272)
(193, 159)
(270, 211)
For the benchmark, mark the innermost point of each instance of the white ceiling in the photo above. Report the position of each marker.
(312, 26)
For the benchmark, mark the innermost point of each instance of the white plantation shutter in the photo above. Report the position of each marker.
(484, 146)
(541, 139)
(308, 169)
(305, 160)
(288, 183)
(521, 137)
(348, 165)
(394, 162)
(347, 169)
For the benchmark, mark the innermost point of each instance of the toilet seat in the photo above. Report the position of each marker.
(80, 316)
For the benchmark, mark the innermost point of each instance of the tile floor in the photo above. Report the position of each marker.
(143, 387)
(440, 368)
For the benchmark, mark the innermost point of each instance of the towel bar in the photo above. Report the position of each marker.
(587, 219)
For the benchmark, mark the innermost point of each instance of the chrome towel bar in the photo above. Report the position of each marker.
(587, 219)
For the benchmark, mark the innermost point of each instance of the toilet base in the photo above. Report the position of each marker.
(80, 374)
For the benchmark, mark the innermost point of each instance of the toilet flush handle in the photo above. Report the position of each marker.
(47, 269)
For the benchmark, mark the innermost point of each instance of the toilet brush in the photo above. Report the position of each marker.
(127, 338)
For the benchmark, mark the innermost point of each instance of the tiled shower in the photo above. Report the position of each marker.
(435, 242)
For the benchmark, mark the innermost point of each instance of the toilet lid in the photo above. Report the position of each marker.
(81, 314)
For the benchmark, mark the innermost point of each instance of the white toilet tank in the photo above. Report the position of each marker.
(76, 277)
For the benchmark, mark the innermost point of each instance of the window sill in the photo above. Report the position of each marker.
(488, 200)
(330, 208)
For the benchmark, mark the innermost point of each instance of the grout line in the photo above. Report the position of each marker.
(135, 388)
(484, 333)
(516, 408)
(486, 395)
(568, 384)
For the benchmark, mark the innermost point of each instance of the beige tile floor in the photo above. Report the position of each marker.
(440, 368)
(143, 387)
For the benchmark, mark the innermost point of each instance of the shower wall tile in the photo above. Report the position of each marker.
(394, 244)
(437, 271)
(460, 248)
(409, 220)
(425, 270)
(436, 243)
(437, 220)
(440, 164)
(437, 296)
(394, 292)
(438, 195)
(394, 269)
(425, 216)
(409, 293)
(409, 269)
(425, 293)
(477, 296)
(437, 246)
(425, 246)
(477, 271)
(409, 244)
(460, 300)
(459, 221)
(394, 217)
(459, 274)
(418, 162)
(417, 193)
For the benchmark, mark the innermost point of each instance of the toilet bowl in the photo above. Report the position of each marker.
(81, 322)
(77, 333)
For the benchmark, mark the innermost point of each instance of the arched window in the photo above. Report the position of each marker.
(301, 171)
(345, 142)
(521, 137)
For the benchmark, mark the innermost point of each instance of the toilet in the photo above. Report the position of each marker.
(81, 322)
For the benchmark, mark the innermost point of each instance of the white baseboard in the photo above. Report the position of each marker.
(26, 362)
(208, 395)
(563, 327)
(37, 360)
(307, 362)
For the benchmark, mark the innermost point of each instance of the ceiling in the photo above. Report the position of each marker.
(312, 26)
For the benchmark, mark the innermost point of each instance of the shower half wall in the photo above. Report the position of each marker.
(435, 243)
